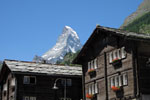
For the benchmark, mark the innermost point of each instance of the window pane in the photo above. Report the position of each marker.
(26, 80)
(32, 80)
(63, 82)
(69, 82)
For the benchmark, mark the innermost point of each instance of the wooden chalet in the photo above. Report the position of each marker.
(22, 80)
(115, 65)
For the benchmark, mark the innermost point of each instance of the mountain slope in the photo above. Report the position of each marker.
(142, 9)
(140, 25)
(68, 41)
(68, 58)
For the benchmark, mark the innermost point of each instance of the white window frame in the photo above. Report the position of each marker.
(112, 81)
(125, 79)
(93, 88)
(120, 80)
(95, 63)
(116, 81)
(92, 64)
(96, 88)
(123, 53)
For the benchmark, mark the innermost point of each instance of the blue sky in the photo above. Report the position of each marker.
(31, 27)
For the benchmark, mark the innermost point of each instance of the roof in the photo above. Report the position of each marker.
(118, 32)
(127, 34)
(38, 68)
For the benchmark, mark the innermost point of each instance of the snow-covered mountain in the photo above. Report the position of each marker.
(68, 41)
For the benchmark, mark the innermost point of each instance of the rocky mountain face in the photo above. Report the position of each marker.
(143, 8)
(67, 42)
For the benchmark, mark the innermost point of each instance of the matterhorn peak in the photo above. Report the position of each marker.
(68, 41)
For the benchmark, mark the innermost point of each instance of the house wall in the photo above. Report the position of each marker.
(106, 70)
(42, 90)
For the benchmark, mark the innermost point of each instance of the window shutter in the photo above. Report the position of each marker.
(120, 80)
(93, 92)
(95, 63)
(90, 92)
(112, 82)
(118, 54)
(123, 53)
(92, 64)
(114, 54)
(96, 88)
(125, 79)
(110, 57)
(116, 81)
(89, 65)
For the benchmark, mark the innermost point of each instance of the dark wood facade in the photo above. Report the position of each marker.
(17, 85)
(115, 65)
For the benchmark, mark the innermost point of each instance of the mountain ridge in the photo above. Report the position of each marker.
(67, 42)
(143, 8)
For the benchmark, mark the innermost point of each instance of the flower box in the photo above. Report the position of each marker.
(89, 96)
(91, 71)
(116, 61)
(114, 88)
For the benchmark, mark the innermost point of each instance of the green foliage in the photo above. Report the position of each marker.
(140, 25)
(68, 58)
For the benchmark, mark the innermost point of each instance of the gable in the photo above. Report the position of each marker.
(104, 36)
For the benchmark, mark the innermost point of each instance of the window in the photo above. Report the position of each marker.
(92, 64)
(117, 54)
(29, 98)
(125, 79)
(65, 99)
(29, 80)
(5, 87)
(119, 80)
(93, 88)
(68, 82)
(26, 98)
(32, 98)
